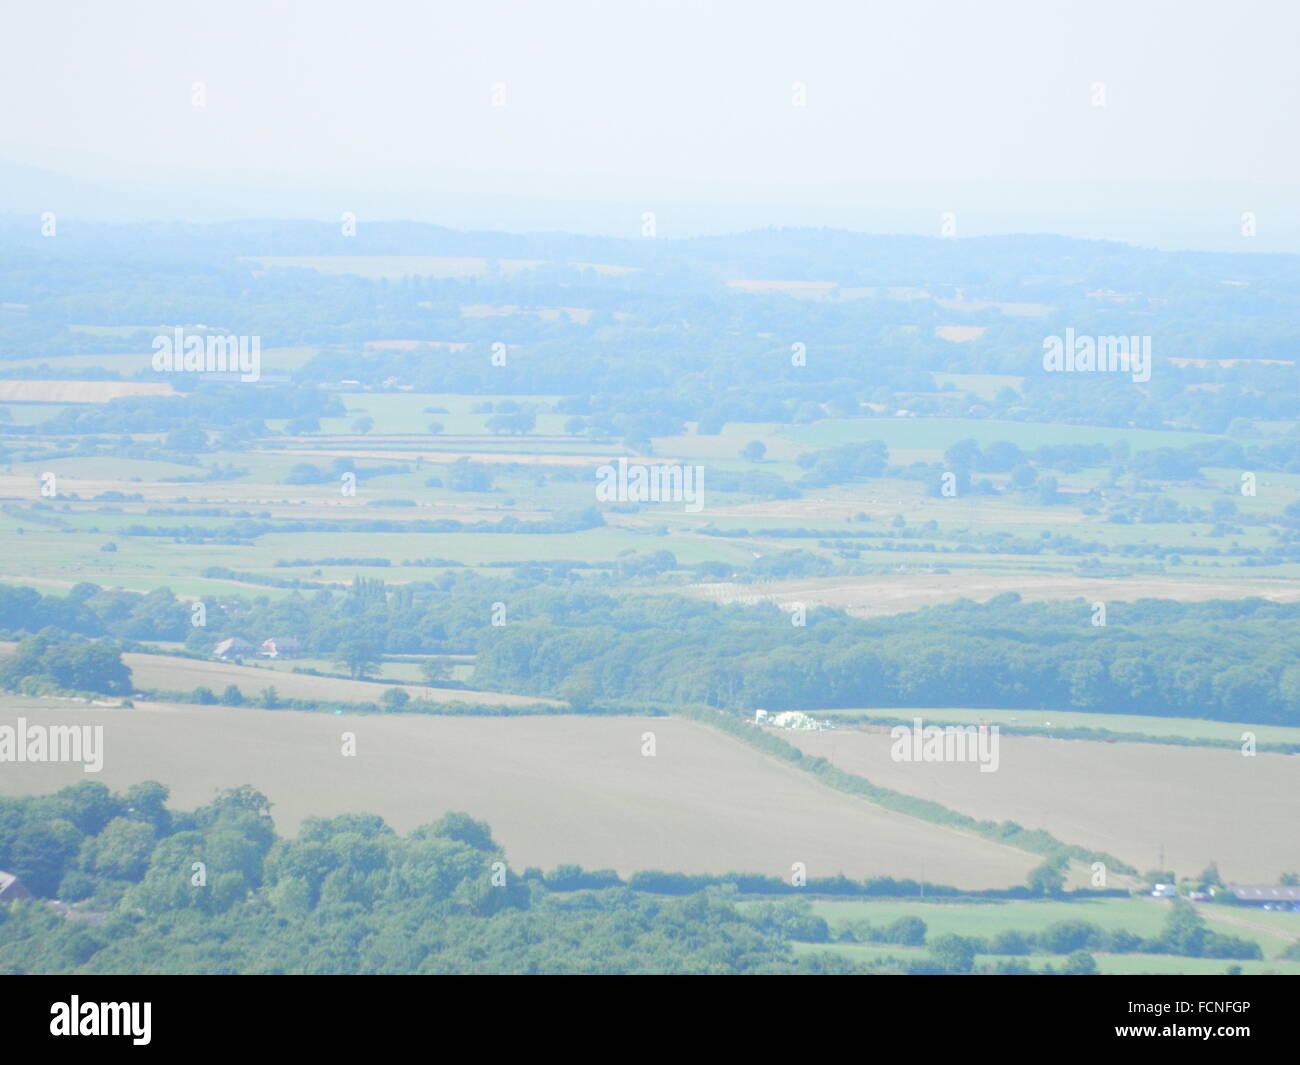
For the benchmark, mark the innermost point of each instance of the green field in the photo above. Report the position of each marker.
(1274, 931)
(875, 954)
(1046, 720)
(931, 434)
(404, 413)
(986, 385)
(166, 673)
(397, 672)
(1141, 916)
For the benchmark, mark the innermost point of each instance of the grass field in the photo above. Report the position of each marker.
(392, 672)
(1107, 964)
(166, 673)
(987, 385)
(901, 567)
(66, 558)
(1273, 931)
(1141, 916)
(555, 789)
(406, 413)
(1140, 724)
(939, 433)
(1151, 805)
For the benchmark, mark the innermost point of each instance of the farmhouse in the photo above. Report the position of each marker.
(1265, 895)
(284, 647)
(12, 888)
(232, 648)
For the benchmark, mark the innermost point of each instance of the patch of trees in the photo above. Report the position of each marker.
(216, 890)
(89, 610)
(1223, 660)
(1153, 657)
(211, 407)
(43, 664)
(848, 462)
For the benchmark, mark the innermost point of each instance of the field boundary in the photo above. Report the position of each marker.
(1096, 735)
(1035, 841)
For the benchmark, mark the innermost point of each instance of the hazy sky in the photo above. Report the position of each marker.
(625, 100)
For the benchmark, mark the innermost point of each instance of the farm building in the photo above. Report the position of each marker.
(232, 648)
(797, 719)
(1265, 894)
(284, 647)
(12, 888)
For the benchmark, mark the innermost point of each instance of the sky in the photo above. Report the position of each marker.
(1141, 115)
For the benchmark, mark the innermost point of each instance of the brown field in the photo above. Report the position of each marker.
(554, 789)
(185, 674)
(1134, 800)
(78, 391)
(900, 593)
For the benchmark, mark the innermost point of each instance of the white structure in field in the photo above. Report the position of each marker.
(797, 719)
